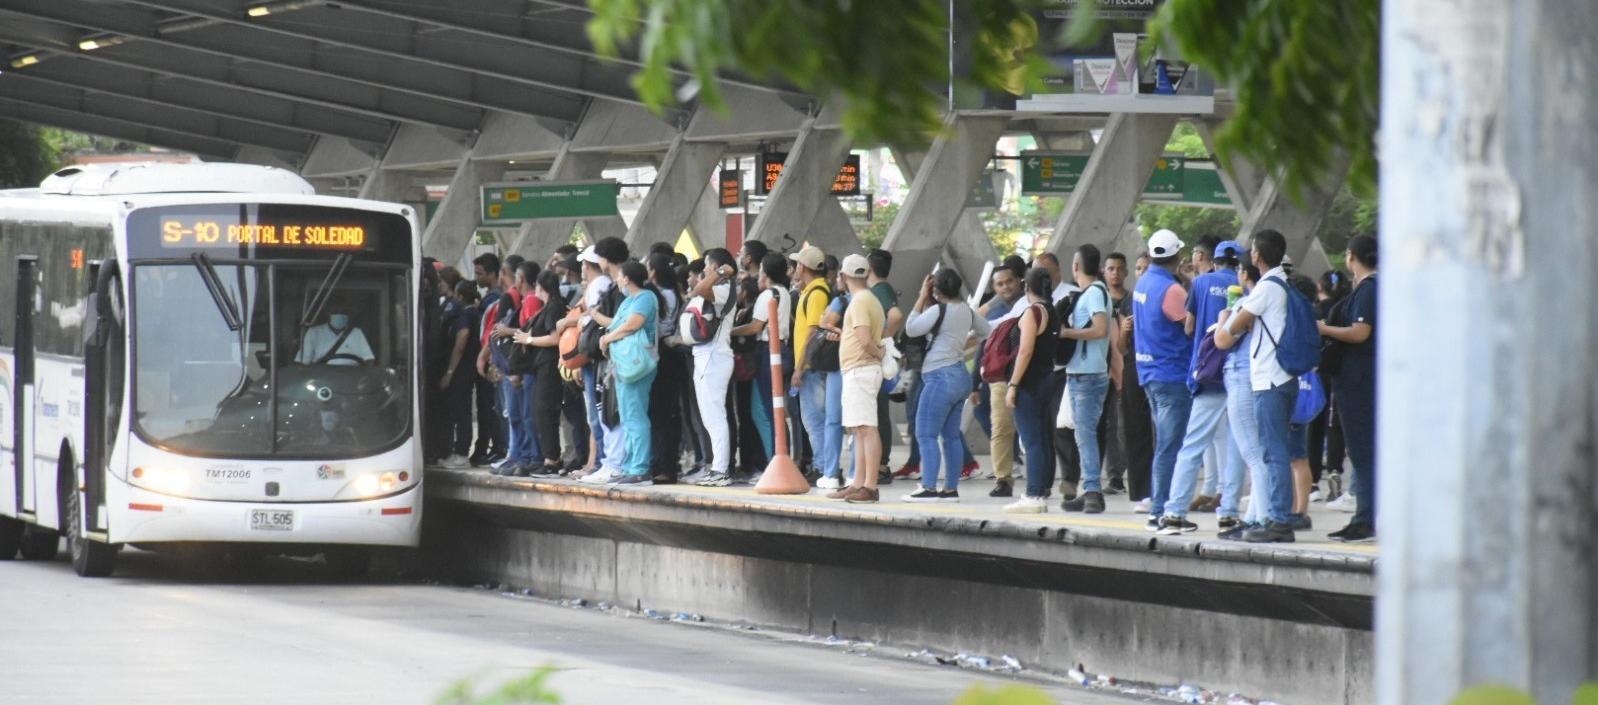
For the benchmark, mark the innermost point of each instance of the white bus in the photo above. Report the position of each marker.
(205, 355)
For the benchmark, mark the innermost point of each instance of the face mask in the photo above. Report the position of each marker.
(338, 321)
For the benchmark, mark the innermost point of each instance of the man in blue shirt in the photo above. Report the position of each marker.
(1164, 352)
(1207, 422)
(1088, 373)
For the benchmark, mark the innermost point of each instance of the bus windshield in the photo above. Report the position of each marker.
(337, 348)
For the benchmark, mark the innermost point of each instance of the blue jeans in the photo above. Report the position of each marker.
(832, 438)
(1207, 423)
(813, 408)
(1273, 411)
(1170, 403)
(523, 442)
(632, 400)
(1356, 406)
(1088, 392)
(1246, 438)
(1035, 426)
(943, 392)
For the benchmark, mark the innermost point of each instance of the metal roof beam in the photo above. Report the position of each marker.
(244, 106)
(17, 86)
(473, 60)
(247, 62)
(209, 148)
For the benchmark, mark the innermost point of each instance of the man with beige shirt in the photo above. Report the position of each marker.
(860, 354)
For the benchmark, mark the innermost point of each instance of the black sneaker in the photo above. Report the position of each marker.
(477, 460)
(924, 495)
(884, 477)
(664, 479)
(1087, 503)
(1001, 488)
(949, 496)
(544, 470)
(1171, 525)
(1116, 486)
(1228, 523)
(1354, 533)
(1153, 523)
(1271, 532)
(1299, 522)
(576, 464)
(1236, 532)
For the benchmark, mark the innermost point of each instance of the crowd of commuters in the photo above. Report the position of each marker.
(1216, 380)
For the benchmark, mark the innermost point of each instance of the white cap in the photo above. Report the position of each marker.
(590, 256)
(855, 266)
(1164, 243)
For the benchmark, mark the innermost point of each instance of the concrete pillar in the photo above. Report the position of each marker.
(1240, 177)
(803, 191)
(1112, 184)
(537, 239)
(943, 180)
(385, 185)
(1299, 222)
(683, 177)
(1488, 502)
(709, 221)
(450, 231)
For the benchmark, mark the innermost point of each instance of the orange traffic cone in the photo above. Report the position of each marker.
(782, 476)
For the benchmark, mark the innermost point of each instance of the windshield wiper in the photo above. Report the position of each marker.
(219, 295)
(314, 306)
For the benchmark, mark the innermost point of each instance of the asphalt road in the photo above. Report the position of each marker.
(166, 630)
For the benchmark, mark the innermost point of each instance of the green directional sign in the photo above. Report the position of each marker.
(536, 200)
(1051, 173)
(1166, 181)
(1201, 185)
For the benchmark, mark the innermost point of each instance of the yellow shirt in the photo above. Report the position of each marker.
(864, 310)
(812, 306)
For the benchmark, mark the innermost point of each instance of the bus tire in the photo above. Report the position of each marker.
(39, 543)
(90, 558)
(10, 538)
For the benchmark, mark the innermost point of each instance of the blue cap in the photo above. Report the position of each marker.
(1229, 248)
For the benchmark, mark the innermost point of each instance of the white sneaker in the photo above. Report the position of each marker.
(829, 483)
(1027, 505)
(1345, 502)
(455, 462)
(602, 476)
(1315, 495)
(1142, 506)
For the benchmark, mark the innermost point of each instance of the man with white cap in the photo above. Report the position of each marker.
(860, 354)
(1164, 350)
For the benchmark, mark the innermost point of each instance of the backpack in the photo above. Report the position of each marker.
(1003, 344)
(1209, 367)
(588, 342)
(1068, 348)
(1311, 398)
(1298, 350)
(700, 326)
(914, 349)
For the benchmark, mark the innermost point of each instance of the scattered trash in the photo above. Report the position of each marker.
(1106, 680)
(574, 602)
(1077, 677)
(1236, 699)
(1011, 662)
(686, 617)
(652, 614)
(1190, 694)
(604, 606)
(970, 661)
(527, 592)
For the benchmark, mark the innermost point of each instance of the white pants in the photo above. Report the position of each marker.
(712, 374)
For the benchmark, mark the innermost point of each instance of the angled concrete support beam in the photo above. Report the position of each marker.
(751, 115)
(709, 222)
(417, 147)
(456, 219)
(337, 157)
(512, 136)
(1112, 184)
(803, 192)
(943, 180)
(1298, 222)
(610, 127)
(1242, 178)
(683, 177)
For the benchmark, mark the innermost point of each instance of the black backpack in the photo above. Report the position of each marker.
(608, 304)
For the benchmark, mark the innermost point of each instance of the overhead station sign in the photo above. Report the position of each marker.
(730, 186)
(539, 200)
(1057, 173)
(770, 165)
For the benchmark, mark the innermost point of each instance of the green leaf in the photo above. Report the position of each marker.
(1006, 695)
(1492, 695)
(1586, 694)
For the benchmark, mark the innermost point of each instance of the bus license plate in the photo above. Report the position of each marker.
(271, 520)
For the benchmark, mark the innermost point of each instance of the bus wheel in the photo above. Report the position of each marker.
(90, 558)
(10, 538)
(39, 543)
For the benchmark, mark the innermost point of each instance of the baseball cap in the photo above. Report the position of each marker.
(810, 257)
(1228, 248)
(1164, 243)
(855, 266)
(590, 256)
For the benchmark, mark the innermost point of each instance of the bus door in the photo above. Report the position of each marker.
(102, 407)
(22, 382)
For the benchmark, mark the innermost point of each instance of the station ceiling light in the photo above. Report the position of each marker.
(259, 11)
(92, 43)
(24, 61)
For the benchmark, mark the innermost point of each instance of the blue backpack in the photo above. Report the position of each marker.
(1311, 398)
(1298, 350)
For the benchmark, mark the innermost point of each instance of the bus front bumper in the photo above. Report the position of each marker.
(142, 516)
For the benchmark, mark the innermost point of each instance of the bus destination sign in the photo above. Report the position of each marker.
(178, 232)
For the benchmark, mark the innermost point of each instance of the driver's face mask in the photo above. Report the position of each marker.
(338, 321)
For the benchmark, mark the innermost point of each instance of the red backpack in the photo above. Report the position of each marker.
(1003, 344)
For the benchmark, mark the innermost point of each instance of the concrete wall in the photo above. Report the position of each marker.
(1266, 624)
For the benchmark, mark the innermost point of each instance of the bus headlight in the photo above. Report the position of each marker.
(375, 483)
(164, 480)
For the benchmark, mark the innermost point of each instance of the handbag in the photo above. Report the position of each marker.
(1065, 416)
(821, 353)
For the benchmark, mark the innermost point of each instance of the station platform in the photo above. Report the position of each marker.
(1058, 591)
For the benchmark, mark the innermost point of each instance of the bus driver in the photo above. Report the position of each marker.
(336, 341)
